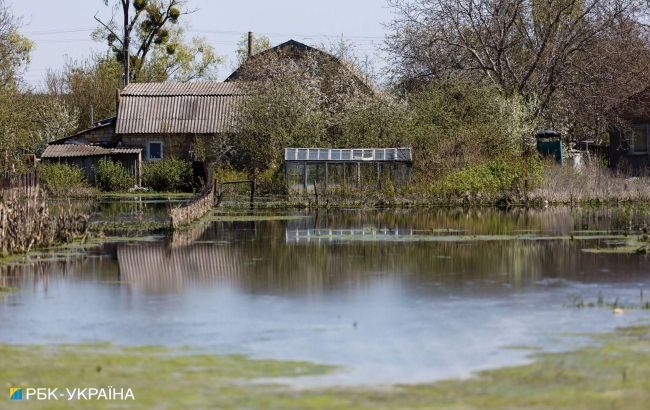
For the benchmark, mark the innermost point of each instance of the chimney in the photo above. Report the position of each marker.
(250, 44)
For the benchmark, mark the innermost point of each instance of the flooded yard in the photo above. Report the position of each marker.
(386, 297)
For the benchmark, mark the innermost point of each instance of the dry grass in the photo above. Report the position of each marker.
(592, 183)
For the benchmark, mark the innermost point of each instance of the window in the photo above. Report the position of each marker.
(639, 142)
(154, 150)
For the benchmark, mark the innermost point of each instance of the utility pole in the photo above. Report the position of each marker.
(250, 44)
(126, 42)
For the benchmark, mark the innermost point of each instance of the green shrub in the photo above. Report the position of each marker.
(271, 181)
(60, 178)
(169, 175)
(112, 176)
(492, 177)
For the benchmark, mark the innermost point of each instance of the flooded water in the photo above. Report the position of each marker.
(391, 296)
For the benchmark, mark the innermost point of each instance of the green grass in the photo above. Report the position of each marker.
(612, 374)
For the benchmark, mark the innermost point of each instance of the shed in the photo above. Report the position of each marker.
(87, 157)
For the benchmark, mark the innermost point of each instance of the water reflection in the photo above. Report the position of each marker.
(421, 310)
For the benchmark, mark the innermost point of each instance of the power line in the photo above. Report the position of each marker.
(225, 32)
(51, 32)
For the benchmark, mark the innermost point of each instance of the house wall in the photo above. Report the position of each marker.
(104, 136)
(89, 164)
(174, 145)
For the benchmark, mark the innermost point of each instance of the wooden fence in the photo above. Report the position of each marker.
(15, 184)
(198, 207)
(25, 221)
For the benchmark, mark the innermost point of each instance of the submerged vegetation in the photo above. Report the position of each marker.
(26, 223)
(638, 243)
(612, 373)
(616, 305)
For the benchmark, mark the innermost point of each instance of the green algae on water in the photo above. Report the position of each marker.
(610, 374)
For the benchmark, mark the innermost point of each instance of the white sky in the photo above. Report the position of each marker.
(61, 28)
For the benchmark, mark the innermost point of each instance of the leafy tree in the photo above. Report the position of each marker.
(87, 83)
(14, 48)
(304, 99)
(191, 60)
(283, 113)
(15, 127)
(149, 42)
(455, 124)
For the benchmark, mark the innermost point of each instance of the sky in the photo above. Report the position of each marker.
(61, 29)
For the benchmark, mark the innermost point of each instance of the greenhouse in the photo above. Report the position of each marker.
(306, 168)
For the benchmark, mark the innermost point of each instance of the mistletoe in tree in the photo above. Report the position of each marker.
(149, 30)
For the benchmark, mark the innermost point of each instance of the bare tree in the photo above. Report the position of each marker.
(544, 51)
(146, 26)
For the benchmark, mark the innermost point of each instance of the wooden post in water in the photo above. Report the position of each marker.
(253, 188)
(326, 175)
(358, 175)
(286, 176)
(304, 176)
(378, 167)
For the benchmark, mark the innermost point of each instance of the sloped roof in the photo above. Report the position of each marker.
(198, 88)
(83, 150)
(204, 107)
(108, 122)
(291, 44)
(296, 46)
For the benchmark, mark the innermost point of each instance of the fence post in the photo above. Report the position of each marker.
(305, 171)
(358, 175)
(253, 188)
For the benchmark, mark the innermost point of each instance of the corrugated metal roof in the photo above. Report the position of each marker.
(198, 88)
(82, 150)
(205, 107)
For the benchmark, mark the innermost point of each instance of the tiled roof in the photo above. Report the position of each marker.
(81, 150)
(205, 107)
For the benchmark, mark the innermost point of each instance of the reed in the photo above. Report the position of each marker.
(25, 221)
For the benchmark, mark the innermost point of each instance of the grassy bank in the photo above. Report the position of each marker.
(612, 374)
